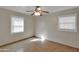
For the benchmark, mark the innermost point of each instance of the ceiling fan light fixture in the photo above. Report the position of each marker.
(37, 13)
(38, 9)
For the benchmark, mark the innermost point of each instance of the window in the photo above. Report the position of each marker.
(17, 24)
(68, 23)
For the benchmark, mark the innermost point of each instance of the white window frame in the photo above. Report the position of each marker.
(75, 30)
(12, 29)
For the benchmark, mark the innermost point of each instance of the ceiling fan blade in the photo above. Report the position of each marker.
(29, 11)
(45, 11)
(32, 14)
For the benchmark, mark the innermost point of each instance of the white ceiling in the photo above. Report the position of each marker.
(23, 9)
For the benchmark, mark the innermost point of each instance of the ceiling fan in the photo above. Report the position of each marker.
(38, 11)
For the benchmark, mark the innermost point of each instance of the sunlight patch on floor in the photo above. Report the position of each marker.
(42, 39)
(34, 40)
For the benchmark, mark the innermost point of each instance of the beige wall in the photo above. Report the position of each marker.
(47, 26)
(5, 27)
